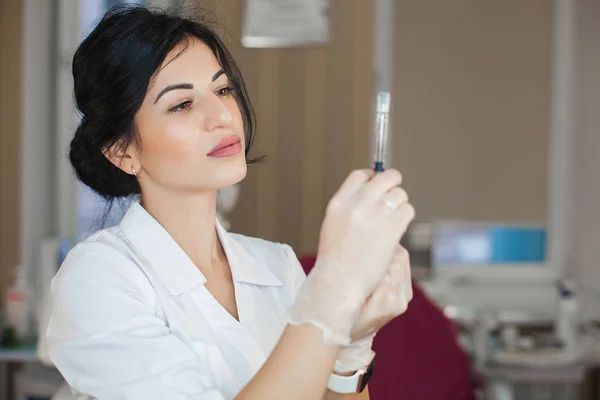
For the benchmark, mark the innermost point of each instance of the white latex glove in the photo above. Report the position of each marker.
(364, 222)
(354, 356)
(389, 300)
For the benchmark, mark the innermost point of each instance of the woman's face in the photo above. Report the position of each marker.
(190, 126)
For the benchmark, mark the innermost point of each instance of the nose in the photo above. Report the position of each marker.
(215, 112)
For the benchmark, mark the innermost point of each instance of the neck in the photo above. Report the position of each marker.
(190, 220)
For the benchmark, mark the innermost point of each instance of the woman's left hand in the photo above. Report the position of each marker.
(389, 300)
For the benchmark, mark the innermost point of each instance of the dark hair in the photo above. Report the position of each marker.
(113, 68)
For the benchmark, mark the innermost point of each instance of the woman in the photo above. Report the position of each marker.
(167, 304)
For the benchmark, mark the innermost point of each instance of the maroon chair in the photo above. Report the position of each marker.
(418, 356)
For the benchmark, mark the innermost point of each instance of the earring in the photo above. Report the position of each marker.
(134, 171)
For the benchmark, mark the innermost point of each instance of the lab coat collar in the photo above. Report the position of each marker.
(175, 268)
(246, 265)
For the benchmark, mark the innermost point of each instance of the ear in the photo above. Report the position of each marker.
(124, 158)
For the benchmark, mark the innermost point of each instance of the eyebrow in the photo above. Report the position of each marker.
(217, 74)
(173, 87)
(186, 85)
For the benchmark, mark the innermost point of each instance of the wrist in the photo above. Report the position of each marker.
(353, 357)
(352, 382)
(325, 302)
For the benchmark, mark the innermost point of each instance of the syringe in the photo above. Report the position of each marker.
(381, 131)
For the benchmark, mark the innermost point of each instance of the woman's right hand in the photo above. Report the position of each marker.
(363, 225)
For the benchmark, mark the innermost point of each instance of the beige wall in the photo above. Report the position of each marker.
(10, 101)
(471, 107)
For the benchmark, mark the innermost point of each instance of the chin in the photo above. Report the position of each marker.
(240, 176)
(233, 175)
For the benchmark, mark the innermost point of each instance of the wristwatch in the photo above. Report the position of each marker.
(355, 383)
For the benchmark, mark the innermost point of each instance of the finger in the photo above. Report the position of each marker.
(404, 292)
(400, 269)
(381, 295)
(393, 199)
(407, 289)
(403, 216)
(407, 281)
(397, 276)
(382, 183)
(403, 255)
(356, 179)
(385, 285)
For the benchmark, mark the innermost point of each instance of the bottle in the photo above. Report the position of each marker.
(16, 307)
(567, 317)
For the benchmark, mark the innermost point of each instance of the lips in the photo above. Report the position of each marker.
(228, 146)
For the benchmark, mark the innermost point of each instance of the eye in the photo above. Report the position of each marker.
(181, 106)
(224, 92)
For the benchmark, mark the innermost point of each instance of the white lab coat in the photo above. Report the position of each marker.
(131, 318)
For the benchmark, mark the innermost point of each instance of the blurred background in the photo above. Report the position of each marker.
(494, 124)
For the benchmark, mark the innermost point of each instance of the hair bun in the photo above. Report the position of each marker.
(94, 169)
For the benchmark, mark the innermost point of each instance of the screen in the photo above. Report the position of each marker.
(458, 245)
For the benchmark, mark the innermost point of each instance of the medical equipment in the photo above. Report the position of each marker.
(382, 127)
(497, 264)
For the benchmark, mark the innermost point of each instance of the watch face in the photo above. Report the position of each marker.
(367, 376)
